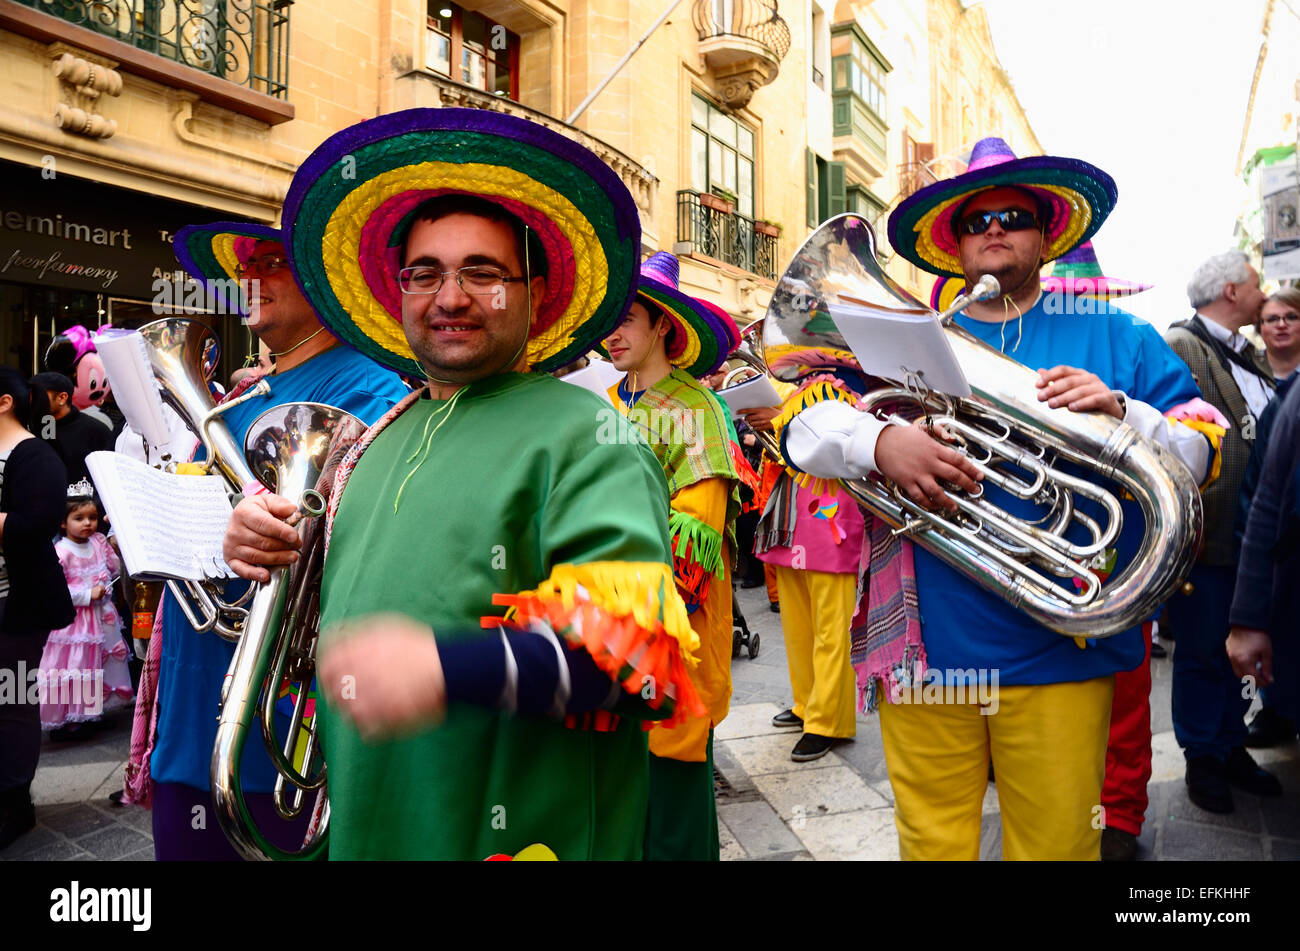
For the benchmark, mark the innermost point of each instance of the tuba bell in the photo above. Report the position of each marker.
(1047, 566)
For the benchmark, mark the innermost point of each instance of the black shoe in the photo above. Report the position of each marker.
(753, 582)
(1244, 773)
(1118, 845)
(811, 747)
(1207, 784)
(1269, 728)
(1158, 651)
(786, 719)
(115, 797)
(776, 607)
(70, 733)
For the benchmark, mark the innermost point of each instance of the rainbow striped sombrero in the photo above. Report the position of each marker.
(211, 252)
(1077, 274)
(705, 333)
(1079, 195)
(351, 200)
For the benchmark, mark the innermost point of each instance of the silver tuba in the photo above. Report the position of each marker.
(292, 450)
(1046, 566)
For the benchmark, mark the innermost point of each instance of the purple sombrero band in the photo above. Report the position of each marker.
(351, 203)
(1078, 195)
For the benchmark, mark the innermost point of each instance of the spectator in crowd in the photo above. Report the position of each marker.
(1208, 707)
(1279, 326)
(75, 434)
(34, 597)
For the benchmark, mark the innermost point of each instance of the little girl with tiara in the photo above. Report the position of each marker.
(84, 667)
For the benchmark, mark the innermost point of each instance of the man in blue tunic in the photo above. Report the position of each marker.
(1048, 731)
(310, 365)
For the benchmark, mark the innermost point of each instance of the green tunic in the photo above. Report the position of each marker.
(521, 477)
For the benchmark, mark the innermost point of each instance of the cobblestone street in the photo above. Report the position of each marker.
(837, 807)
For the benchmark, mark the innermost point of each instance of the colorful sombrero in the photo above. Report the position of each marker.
(211, 252)
(702, 338)
(1077, 274)
(351, 201)
(729, 338)
(1079, 195)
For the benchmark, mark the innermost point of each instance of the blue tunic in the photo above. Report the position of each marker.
(194, 665)
(966, 627)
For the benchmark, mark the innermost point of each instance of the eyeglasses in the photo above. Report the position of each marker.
(1011, 219)
(477, 279)
(1290, 317)
(266, 265)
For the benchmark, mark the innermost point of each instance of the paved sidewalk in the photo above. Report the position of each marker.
(837, 807)
(841, 806)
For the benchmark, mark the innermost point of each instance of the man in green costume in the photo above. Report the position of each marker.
(446, 737)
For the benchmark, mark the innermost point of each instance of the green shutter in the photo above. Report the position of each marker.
(810, 184)
(837, 197)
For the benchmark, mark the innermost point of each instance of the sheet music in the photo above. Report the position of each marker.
(167, 525)
(901, 345)
(752, 394)
(126, 361)
(597, 376)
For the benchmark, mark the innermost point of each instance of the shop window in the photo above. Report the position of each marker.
(470, 48)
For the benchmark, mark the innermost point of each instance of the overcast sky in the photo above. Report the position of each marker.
(1153, 92)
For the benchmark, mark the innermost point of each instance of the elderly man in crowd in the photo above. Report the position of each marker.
(1209, 707)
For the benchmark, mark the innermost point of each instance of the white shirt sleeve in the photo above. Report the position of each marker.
(832, 440)
(1190, 446)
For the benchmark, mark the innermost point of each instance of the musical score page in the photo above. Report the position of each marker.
(167, 525)
(895, 344)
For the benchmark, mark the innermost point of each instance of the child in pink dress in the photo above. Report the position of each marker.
(84, 667)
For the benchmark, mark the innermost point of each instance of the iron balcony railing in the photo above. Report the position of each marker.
(728, 237)
(755, 20)
(243, 41)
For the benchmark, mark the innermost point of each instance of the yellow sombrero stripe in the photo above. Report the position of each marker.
(1080, 219)
(341, 243)
(223, 249)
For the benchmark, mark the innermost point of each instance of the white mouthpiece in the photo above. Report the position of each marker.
(987, 286)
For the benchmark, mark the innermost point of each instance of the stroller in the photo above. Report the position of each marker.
(740, 633)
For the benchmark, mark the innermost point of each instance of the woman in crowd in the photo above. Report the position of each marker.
(34, 597)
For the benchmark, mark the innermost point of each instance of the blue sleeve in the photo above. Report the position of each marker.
(1160, 377)
(1252, 599)
(475, 671)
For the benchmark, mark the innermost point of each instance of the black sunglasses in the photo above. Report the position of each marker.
(1011, 219)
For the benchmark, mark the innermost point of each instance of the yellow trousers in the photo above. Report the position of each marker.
(816, 608)
(1048, 745)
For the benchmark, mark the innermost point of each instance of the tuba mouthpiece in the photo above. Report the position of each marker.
(987, 286)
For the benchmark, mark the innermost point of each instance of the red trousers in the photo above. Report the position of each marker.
(1128, 752)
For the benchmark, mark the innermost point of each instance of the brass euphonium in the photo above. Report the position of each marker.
(292, 450)
(1040, 566)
